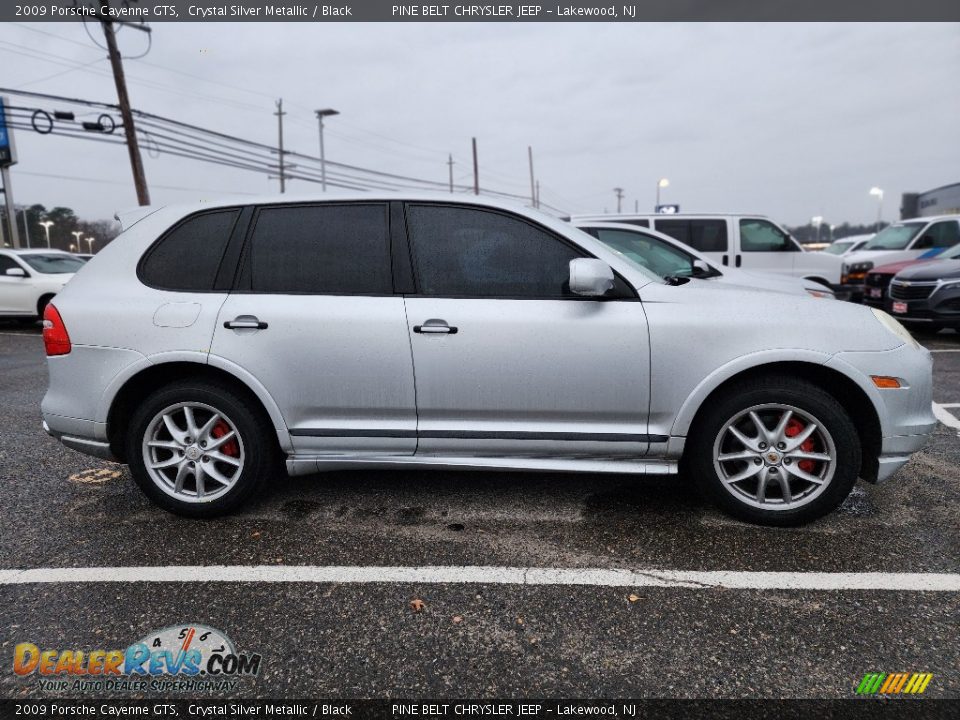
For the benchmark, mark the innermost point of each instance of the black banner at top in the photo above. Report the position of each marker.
(534, 11)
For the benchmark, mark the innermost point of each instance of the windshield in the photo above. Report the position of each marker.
(53, 263)
(895, 237)
(949, 254)
(838, 248)
(647, 252)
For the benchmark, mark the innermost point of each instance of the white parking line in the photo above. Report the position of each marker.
(946, 350)
(491, 575)
(941, 413)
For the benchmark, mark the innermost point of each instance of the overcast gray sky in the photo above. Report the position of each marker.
(790, 120)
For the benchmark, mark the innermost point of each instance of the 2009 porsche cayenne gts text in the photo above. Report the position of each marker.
(208, 345)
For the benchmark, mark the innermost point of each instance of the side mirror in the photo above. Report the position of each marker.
(590, 277)
(16, 272)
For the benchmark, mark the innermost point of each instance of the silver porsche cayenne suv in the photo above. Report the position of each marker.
(210, 346)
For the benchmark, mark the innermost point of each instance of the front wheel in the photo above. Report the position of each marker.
(196, 449)
(775, 451)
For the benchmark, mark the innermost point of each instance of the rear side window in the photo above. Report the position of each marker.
(758, 235)
(702, 235)
(469, 252)
(187, 257)
(322, 250)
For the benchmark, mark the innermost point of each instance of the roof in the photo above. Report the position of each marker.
(130, 215)
(614, 217)
(35, 251)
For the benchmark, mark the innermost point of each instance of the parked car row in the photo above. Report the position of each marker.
(30, 278)
(910, 269)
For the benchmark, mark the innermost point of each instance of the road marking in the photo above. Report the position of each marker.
(945, 416)
(491, 575)
(946, 350)
(21, 334)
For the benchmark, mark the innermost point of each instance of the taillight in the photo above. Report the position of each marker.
(55, 337)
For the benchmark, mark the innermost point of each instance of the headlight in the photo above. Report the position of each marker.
(949, 284)
(817, 293)
(895, 327)
(855, 271)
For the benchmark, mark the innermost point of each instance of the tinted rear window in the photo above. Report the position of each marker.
(322, 249)
(188, 256)
(702, 235)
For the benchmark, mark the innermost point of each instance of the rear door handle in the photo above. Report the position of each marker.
(435, 326)
(739, 259)
(245, 322)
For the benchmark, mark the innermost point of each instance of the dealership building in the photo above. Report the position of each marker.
(940, 201)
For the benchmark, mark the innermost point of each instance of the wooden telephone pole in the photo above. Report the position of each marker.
(133, 147)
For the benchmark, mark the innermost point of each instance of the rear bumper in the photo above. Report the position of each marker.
(76, 435)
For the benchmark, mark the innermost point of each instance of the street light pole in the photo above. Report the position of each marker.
(818, 221)
(46, 224)
(76, 234)
(90, 242)
(878, 193)
(321, 114)
(661, 183)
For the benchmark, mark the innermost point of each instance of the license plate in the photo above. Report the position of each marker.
(875, 292)
(900, 307)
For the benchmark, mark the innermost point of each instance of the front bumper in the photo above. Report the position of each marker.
(905, 414)
(941, 307)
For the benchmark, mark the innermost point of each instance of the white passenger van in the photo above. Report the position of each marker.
(751, 242)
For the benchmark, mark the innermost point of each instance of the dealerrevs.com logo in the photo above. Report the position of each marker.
(188, 657)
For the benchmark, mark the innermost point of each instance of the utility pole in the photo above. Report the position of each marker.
(619, 193)
(11, 210)
(476, 170)
(26, 226)
(280, 113)
(136, 163)
(536, 196)
(533, 190)
(450, 165)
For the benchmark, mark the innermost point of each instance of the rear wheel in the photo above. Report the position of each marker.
(196, 449)
(775, 451)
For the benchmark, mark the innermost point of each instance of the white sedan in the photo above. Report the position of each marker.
(668, 257)
(30, 278)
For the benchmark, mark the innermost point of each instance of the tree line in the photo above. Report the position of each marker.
(808, 233)
(65, 224)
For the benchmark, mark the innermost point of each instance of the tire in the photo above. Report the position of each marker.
(42, 305)
(772, 399)
(230, 471)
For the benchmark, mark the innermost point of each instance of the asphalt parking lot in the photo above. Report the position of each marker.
(325, 639)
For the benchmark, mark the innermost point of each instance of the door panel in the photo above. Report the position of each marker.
(338, 367)
(316, 321)
(531, 377)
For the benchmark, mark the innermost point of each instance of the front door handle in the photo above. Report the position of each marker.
(245, 322)
(435, 326)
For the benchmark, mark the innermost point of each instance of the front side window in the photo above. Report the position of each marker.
(469, 252)
(763, 236)
(321, 249)
(895, 237)
(7, 263)
(187, 257)
(648, 252)
(939, 235)
(54, 263)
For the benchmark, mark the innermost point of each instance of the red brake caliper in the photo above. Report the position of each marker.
(230, 447)
(794, 428)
